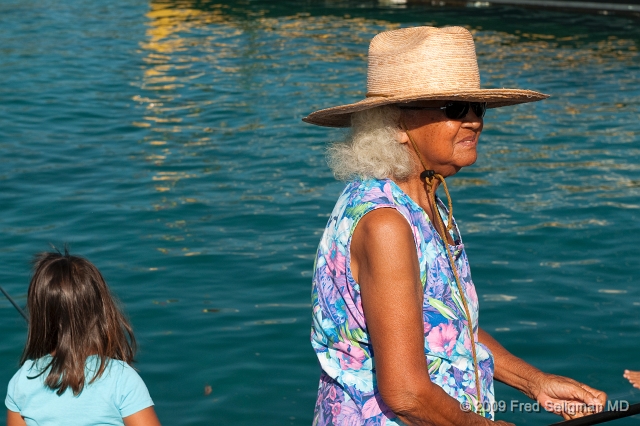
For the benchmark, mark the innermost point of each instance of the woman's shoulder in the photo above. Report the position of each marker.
(372, 192)
(386, 225)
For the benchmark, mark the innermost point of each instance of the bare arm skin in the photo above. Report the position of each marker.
(146, 417)
(385, 264)
(15, 419)
(551, 391)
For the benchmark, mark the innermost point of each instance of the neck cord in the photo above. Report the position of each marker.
(429, 177)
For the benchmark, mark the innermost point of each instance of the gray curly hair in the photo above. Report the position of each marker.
(371, 149)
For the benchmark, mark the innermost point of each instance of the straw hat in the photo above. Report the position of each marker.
(422, 64)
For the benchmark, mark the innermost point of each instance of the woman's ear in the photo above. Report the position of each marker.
(402, 136)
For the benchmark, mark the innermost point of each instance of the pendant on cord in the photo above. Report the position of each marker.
(427, 174)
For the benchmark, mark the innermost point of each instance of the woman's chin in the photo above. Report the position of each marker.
(455, 168)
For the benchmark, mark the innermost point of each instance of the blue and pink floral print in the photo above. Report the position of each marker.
(348, 393)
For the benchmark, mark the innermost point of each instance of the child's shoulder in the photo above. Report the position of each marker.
(33, 367)
(113, 367)
(119, 373)
(124, 370)
(27, 380)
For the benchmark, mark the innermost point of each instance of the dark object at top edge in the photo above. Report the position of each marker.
(625, 7)
(603, 417)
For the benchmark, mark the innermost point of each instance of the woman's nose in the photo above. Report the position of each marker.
(472, 120)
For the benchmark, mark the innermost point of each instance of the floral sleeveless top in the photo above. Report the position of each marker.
(348, 393)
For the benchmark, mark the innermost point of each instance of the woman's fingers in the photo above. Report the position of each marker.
(599, 398)
(569, 398)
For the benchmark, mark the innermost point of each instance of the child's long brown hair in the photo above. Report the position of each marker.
(72, 316)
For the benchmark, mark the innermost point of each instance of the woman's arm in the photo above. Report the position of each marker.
(146, 417)
(15, 419)
(554, 393)
(385, 264)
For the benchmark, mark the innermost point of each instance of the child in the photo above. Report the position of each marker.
(76, 363)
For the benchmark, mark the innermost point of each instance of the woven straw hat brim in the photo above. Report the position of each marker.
(340, 116)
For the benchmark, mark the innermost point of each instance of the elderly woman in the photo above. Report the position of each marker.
(395, 312)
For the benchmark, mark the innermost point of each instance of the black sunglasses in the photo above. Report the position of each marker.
(455, 110)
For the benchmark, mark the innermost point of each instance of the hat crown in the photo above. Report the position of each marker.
(422, 60)
(422, 64)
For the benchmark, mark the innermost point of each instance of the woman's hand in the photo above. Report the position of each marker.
(567, 397)
(561, 395)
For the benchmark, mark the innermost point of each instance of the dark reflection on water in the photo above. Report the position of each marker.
(164, 141)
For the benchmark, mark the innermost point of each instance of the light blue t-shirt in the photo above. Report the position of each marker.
(118, 393)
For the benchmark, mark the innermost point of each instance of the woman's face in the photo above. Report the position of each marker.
(445, 145)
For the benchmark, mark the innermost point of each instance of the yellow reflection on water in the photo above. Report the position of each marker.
(195, 60)
(193, 50)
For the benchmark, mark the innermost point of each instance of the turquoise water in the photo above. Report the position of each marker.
(163, 141)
